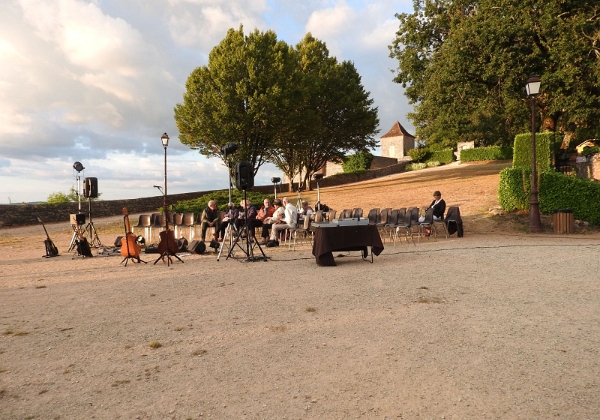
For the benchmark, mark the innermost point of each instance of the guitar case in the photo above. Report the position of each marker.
(197, 247)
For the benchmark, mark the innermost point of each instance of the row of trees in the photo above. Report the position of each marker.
(296, 107)
(464, 65)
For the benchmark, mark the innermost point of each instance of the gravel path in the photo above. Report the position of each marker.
(480, 327)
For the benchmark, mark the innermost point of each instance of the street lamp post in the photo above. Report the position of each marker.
(165, 143)
(535, 224)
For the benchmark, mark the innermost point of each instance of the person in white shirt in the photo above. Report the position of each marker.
(291, 218)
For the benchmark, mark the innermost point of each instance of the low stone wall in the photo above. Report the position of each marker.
(26, 214)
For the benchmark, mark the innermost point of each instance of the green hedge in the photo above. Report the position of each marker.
(486, 153)
(445, 156)
(543, 150)
(556, 191)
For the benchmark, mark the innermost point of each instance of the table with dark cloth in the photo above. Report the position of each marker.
(345, 238)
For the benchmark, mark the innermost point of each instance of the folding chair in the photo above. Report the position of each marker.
(305, 230)
(373, 216)
(406, 224)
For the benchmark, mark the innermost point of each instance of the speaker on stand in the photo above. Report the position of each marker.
(90, 190)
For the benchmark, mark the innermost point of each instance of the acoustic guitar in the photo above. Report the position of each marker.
(129, 246)
(83, 247)
(51, 249)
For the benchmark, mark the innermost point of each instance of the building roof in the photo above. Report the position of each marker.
(396, 131)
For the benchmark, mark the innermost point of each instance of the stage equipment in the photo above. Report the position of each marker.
(535, 223)
(242, 235)
(78, 167)
(244, 176)
(228, 150)
(90, 190)
(90, 187)
(318, 177)
(275, 180)
(51, 249)
(167, 245)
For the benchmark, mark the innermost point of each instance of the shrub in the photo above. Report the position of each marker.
(445, 156)
(415, 166)
(486, 153)
(588, 151)
(417, 155)
(556, 191)
(357, 162)
(432, 163)
(543, 147)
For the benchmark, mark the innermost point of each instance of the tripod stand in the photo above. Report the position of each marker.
(79, 217)
(249, 249)
(91, 229)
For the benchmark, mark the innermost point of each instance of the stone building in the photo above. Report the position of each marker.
(397, 142)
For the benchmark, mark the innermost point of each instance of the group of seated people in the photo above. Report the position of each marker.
(273, 219)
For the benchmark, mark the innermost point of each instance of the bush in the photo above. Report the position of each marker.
(556, 191)
(486, 153)
(445, 156)
(415, 166)
(588, 151)
(432, 163)
(418, 155)
(543, 150)
(357, 162)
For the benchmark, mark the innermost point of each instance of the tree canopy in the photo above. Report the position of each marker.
(296, 107)
(465, 64)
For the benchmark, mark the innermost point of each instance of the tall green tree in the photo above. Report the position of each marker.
(336, 113)
(238, 97)
(464, 65)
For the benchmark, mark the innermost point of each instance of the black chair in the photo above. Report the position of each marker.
(373, 216)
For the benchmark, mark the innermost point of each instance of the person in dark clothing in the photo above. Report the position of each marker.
(247, 211)
(210, 218)
(230, 216)
(438, 205)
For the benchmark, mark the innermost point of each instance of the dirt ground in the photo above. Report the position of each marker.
(500, 324)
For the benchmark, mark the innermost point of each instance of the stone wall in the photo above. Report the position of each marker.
(588, 168)
(25, 214)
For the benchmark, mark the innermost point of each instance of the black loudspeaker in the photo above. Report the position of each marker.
(197, 247)
(244, 176)
(90, 187)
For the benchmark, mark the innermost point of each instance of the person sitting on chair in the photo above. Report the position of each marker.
(265, 211)
(230, 215)
(210, 218)
(439, 207)
(305, 210)
(291, 218)
(278, 214)
(247, 211)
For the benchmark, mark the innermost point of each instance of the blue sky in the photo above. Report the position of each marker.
(96, 82)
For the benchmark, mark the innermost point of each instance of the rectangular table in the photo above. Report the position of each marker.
(345, 238)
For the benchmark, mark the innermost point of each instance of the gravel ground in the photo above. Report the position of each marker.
(488, 326)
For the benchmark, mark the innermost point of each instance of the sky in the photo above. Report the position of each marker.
(96, 82)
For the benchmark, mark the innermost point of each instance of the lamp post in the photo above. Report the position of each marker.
(535, 225)
(275, 180)
(165, 143)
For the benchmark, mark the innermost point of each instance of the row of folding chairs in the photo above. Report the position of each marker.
(404, 223)
(158, 221)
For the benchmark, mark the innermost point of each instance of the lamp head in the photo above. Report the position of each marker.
(533, 85)
(275, 180)
(165, 140)
(78, 166)
(318, 176)
(229, 149)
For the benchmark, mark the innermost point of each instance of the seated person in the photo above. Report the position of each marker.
(232, 213)
(438, 205)
(247, 211)
(264, 212)
(291, 218)
(210, 218)
(278, 214)
(305, 210)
